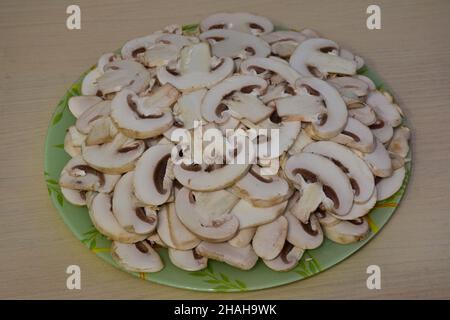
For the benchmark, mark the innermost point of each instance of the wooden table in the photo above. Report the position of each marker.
(40, 58)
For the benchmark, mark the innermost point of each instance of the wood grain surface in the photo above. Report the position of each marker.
(40, 58)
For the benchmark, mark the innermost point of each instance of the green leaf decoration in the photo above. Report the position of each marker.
(59, 146)
(60, 199)
(57, 118)
(91, 237)
(190, 29)
(224, 283)
(307, 266)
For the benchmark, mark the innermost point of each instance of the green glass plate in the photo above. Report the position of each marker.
(218, 276)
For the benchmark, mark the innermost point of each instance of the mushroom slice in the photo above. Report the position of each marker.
(378, 160)
(399, 144)
(115, 157)
(319, 55)
(207, 214)
(137, 47)
(89, 83)
(188, 108)
(123, 74)
(283, 43)
(367, 80)
(103, 130)
(136, 257)
(187, 260)
(243, 258)
(212, 108)
(165, 49)
(287, 259)
(326, 219)
(79, 104)
(382, 131)
(258, 65)
(360, 176)
(248, 106)
(335, 119)
(353, 90)
(306, 201)
(243, 237)
(73, 141)
(303, 107)
(195, 70)
(239, 21)
(336, 184)
(300, 143)
(86, 120)
(151, 183)
(269, 238)
(131, 216)
(262, 190)
(235, 44)
(155, 240)
(75, 197)
(388, 186)
(251, 216)
(365, 115)
(384, 108)
(100, 212)
(78, 175)
(357, 136)
(360, 209)
(345, 232)
(304, 235)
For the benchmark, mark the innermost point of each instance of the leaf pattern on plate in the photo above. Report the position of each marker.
(307, 266)
(90, 240)
(75, 90)
(191, 29)
(54, 189)
(221, 281)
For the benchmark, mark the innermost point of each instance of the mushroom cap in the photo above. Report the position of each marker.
(336, 184)
(239, 21)
(262, 190)
(243, 237)
(388, 186)
(378, 160)
(187, 260)
(130, 215)
(151, 183)
(357, 136)
(79, 104)
(117, 156)
(257, 65)
(75, 197)
(382, 131)
(399, 144)
(130, 120)
(361, 177)
(86, 120)
(235, 44)
(207, 215)
(100, 212)
(243, 258)
(346, 232)
(336, 116)
(384, 108)
(365, 115)
(131, 49)
(287, 259)
(304, 235)
(360, 209)
(251, 216)
(136, 257)
(309, 54)
(269, 238)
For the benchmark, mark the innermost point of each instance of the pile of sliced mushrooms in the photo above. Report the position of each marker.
(342, 146)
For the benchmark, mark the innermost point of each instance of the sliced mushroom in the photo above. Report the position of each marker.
(239, 21)
(243, 237)
(75, 197)
(303, 107)
(258, 65)
(360, 209)
(79, 104)
(151, 182)
(136, 47)
(78, 175)
(317, 57)
(136, 257)
(304, 235)
(300, 143)
(262, 190)
(388, 186)
(378, 160)
(283, 43)
(367, 80)
(357, 136)
(365, 115)
(361, 177)
(73, 141)
(243, 258)
(269, 238)
(354, 91)
(207, 214)
(384, 108)
(86, 120)
(172, 231)
(307, 200)
(345, 232)
(115, 157)
(195, 70)
(287, 259)
(89, 86)
(247, 106)
(188, 108)
(235, 44)
(187, 260)
(313, 167)
(251, 216)
(212, 108)
(100, 212)
(399, 144)
(346, 54)
(102, 131)
(382, 131)
(130, 215)
(155, 240)
(335, 119)
(165, 49)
